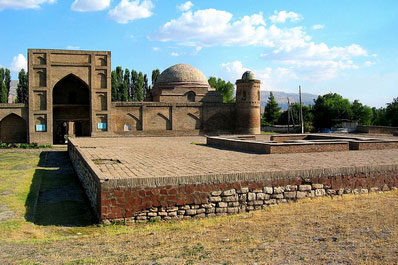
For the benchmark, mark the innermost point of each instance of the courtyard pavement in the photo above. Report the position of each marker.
(154, 157)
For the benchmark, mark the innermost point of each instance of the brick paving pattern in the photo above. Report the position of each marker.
(143, 157)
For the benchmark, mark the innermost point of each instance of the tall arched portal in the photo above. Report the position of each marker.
(71, 109)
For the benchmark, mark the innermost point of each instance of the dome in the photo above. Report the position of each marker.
(182, 73)
(248, 75)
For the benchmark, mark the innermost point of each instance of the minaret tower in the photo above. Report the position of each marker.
(248, 104)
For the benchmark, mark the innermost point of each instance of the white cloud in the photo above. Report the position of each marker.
(282, 16)
(369, 63)
(23, 4)
(289, 48)
(174, 54)
(155, 48)
(185, 6)
(90, 5)
(127, 11)
(211, 27)
(70, 47)
(318, 26)
(19, 62)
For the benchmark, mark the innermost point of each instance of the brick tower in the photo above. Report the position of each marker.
(248, 104)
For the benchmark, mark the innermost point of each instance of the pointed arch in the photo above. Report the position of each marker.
(13, 129)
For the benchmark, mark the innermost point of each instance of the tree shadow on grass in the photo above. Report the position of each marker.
(56, 196)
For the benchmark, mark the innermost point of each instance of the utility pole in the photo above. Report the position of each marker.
(288, 115)
(301, 112)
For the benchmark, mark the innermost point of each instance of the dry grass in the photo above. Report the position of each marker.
(352, 229)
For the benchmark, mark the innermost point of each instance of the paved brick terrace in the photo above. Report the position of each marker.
(154, 157)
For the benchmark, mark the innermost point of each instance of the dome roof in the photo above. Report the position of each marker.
(182, 73)
(248, 75)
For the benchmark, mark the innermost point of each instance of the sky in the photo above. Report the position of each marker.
(347, 47)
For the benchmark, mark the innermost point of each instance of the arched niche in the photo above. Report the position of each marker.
(13, 129)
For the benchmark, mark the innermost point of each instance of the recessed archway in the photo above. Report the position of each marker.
(71, 109)
(13, 129)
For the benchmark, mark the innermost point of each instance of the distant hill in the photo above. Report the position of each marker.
(281, 98)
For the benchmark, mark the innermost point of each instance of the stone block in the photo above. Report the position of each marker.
(190, 212)
(258, 203)
(257, 190)
(317, 186)
(195, 206)
(162, 213)
(233, 204)
(229, 192)
(210, 210)
(260, 196)
(278, 190)
(152, 214)
(172, 209)
(305, 187)
(277, 196)
(242, 197)
(290, 194)
(268, 190)
(251, 196)
(211, 215)
(250, 208)
(181, 212)
(222, 204)
(243, 190)
(184, 207)
(221, 210)
(207, 205)
(320, 192)
(301, 194)
(216, 193)
(233, 209)
(291, 188)
(215, 199)
(172, 214)
(232, 198)
(200, 210)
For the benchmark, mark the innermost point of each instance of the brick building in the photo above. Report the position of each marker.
(70, 95)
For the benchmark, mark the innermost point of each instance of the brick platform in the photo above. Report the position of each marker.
(142, 178)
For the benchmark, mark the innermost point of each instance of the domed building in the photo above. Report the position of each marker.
(183, 83)
(70, 96)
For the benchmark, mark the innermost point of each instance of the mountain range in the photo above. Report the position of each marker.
(281, 98)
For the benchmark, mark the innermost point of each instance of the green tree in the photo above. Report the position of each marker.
(271, 110)
(225, 88)
(328, 107)
(126, 86)
(133, 90)
(362, 113)
(147, 89)
(379, 117)
(7, 80)
(155, 74)
(308, 117)
(119, 81)
(139, 88)
(3, 93)
(392, 112)
(114, 86)
(22, 88)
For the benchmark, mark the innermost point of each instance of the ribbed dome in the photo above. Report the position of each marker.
(248, 75)
(182, 73)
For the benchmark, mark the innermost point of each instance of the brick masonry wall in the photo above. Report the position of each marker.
(373, 145)
(168, 202)
(376, 129)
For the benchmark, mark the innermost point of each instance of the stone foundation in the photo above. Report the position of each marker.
(166, 198)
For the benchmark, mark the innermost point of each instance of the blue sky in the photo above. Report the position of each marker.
(347, 47)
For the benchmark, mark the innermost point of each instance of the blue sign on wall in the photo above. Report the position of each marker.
(40, 127)
(101, 126)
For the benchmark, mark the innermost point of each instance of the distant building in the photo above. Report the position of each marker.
(70, 95)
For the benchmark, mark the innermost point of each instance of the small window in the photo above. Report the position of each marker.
(40, 127)
(101, 126)
(244, 95)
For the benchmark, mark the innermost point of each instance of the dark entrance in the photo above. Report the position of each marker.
(13, 129)
(71, 109)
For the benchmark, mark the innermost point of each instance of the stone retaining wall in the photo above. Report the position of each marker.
(376, 129)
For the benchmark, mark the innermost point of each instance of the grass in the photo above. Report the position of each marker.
(350, 229)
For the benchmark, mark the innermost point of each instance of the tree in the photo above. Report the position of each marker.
(379, 117)
(271, 110)
(328, 107)
(133, 89)
(362, 113)
(22, 88)
(225, 88)
(147, 89)
(126, 86)
(119, 81)
(114, 86)
(155, 74)
(139, 88)
(3, 93)
(392, 112)
(7, 81)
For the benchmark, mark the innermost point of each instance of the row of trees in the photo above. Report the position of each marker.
(328, 108)
(5, 81)
(131, 86)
